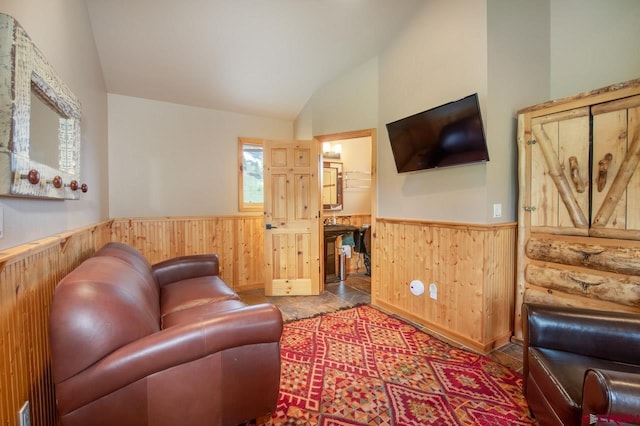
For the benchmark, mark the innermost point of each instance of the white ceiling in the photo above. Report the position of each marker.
(261, 57)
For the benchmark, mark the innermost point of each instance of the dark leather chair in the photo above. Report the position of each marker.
(581, 366)
(170, 344)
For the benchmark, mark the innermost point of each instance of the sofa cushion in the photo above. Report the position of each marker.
(201, 313)
(193, 292)
(134, 258)
(103, 302)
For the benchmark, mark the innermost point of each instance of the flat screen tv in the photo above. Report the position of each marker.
(448, 135)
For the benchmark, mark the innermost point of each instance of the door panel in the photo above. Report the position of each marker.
(559, 161)
(616, 180)
(292, 208)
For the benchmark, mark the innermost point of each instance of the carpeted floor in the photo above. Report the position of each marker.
(360, 366)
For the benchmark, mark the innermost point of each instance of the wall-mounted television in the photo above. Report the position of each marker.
(447, 135)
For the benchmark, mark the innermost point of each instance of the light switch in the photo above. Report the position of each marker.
(497, 210)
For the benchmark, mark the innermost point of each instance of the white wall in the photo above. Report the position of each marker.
(62, 31)
(349, 102)
(514, 53)
(441, 56)
(356, 157)
(594, 43)
(518, 34)
(174, 160)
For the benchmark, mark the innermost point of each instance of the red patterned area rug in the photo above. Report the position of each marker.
(361, 366)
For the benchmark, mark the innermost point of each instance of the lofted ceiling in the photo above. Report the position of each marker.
(260, 57)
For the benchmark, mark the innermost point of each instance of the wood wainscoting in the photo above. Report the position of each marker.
(28, 276)
(472, 266)
(238, 240)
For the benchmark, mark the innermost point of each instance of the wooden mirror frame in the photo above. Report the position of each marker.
(339, 190)
(24, 68)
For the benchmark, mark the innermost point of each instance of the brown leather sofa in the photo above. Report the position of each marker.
(581, 366)
(169, 344)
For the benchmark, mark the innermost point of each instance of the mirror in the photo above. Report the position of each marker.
(43, 131)
(332, 185)
(39, 122)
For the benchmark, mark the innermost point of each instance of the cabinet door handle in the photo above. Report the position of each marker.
(575, 174)
(530, 208)
(603, 166)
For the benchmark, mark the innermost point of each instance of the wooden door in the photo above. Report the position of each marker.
(616, 180)
(292, 218)
(559, 170)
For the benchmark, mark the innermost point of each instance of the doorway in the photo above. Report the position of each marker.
(352, 267)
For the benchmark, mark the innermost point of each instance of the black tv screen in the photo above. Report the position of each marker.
(448, 135)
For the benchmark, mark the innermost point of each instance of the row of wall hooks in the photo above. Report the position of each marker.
(33, 177)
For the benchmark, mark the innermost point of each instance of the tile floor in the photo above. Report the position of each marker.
(354, 291)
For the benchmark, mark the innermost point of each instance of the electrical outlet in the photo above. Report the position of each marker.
(24, 415)
(433, 291)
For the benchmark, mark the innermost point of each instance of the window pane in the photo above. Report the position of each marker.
(250, 177)
(252, 180)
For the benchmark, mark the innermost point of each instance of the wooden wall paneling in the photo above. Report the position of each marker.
(473, 267)
(470, 281)
(121, 230)
(236, 239)
(399, 279)
(226, 248)
(28, 276)
(421, 266)
(380, 256)
(195, 237)
(500, 267)
(250, 253)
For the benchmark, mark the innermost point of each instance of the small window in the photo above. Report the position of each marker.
(250, 175)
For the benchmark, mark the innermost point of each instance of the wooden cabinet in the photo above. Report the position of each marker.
(579, 201)
(616, 178)
(557, 154)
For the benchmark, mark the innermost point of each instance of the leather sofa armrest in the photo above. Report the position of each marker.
(185, 267)
(170, 348)
(610, 397)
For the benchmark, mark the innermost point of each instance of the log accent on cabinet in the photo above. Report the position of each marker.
(547, 296)
(622, 289)
(610, 257)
